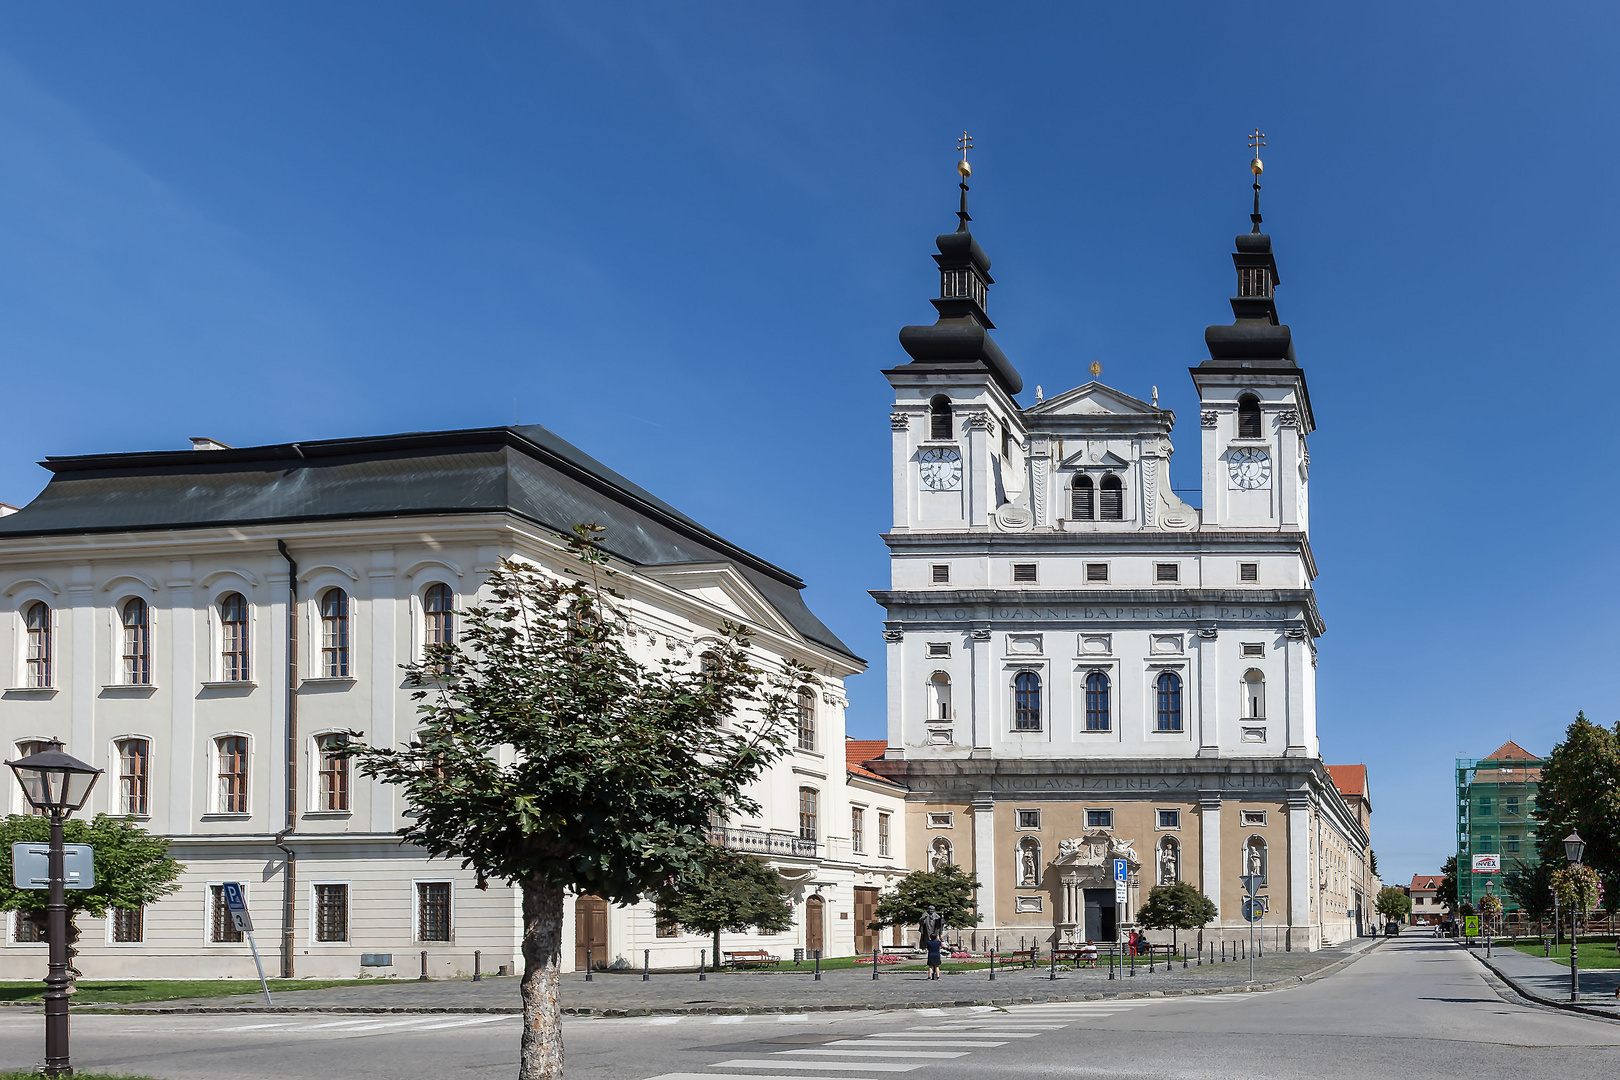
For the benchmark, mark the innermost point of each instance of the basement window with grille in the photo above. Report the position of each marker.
(1024, 572)
(1167, 572)
(1096, 571)
(1249, 571)
(939, 648)
(1253, 648)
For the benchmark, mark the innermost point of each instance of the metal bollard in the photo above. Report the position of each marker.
(818, 965)
(478, 974)
(1223, 950)
(1151, 959)
(1111, 952)
(874, 963)
(587, 965)
(646, 965)
(703, 966)
(423, 976)
(1053, 974)
(1184, 958)
(1133, 963)
(992, 965)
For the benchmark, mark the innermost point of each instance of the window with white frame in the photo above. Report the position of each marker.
(809, 803)
(231, 761)
(134, 773)
(1253, 817)
(438, 618)
(136, 617)
(331, 915)
(433, 911)
(221, 929)
(332, 751)
(128, 925)
(233, 638)
(1169, 819)
(1099, 819)
(37, 651)
(1167, 692)
(335, 634)
(1254, 695)
(24, 930)
(857, 830)
(1167, 572)
(1029, 819)
(939, 696)
(883, 834)
(807, 720)
(1098, 710)
(1026, 701)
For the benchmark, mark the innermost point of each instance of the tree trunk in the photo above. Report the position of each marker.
(541, 1057)
(717, 950)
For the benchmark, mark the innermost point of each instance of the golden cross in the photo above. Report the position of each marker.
(1256, 141)
(964, 144)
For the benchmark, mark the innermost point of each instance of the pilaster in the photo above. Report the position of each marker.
(984, 681)
(984, 859)
(270, 760)
(1209, 847)
(904, 486)
(1299, 867)
(1296, 659)
(384, 676)
(81, 673)
(981, 485)
(895, 665)
(1209, 678)
(183, 651)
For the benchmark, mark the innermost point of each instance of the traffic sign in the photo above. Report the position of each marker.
(1122, 874)
(31, 866)
(1251, 882)
(1254, 908)
(236, 904)
(1471, 926)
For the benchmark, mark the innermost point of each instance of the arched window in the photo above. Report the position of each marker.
(939, 696)
(438, 619)
(1169, 861)
(37, 623)
(233, 639)
(1083, 499)
(1097, 712)
(136, 618)
(1248, 417)
(1028, 866)
(1027, 701)
(335, 634)
(807, 720)
(1254, 695)
(1113, 499)
(231, 752)
(1169, 688)
(334, 771)
(134, 769)
(1255, 857)
(939, 417)
(939, 853)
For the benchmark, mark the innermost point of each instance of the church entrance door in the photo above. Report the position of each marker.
(590, 932)
(1100, 915)
(814, 926)
(866, 901)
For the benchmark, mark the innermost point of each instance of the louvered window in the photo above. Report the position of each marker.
(1254, 281)
(1096, 571)
(1083, 499)
(939, 418)
(1113, 499)
(1167, 572)
(1023, 572)
(1097, 714)
(1248, 417)
(1249, 571)
(942, 574)
(1253, 648)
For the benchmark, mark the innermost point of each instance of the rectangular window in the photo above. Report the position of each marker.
(664, 924)
(128, 926)
(334, 777)
(1510, 843)
(1253, 817)
(1029, 819)
(1251, 648)
(939, 648)
(331, 913)
(1169, 819)
(1024, 572)
(857, 830)
(1248, 571)
(808, 803)
(942, 573)
(945, 820)
(1254, 281)
(432, 910)
(1168, 572)
(25, 931)
(233, 657)
(220, 928)
(883, 834)
(1485, 805)
(807, 720)
(133, 756)
(233, 774)
(1510, 806)
(137, 643)
(1096, 571)
(1099, 819)
(37, 622)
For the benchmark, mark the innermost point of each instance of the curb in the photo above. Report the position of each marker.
(1531, 995)
(735, 1010)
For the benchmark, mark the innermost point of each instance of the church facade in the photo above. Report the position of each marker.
(1083, 667)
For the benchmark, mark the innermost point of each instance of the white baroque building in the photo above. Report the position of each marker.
(1081, 665)
(203, 624)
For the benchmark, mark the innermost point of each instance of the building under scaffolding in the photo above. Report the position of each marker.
(1495, 798)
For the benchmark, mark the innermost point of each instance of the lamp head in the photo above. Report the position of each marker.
(1574, 848)
(53, 782)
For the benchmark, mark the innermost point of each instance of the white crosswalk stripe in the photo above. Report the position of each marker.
(841, 1066)
(880, 1053)
(748, 1076)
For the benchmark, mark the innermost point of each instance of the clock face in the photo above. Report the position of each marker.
(1249, 467)
(940, 468)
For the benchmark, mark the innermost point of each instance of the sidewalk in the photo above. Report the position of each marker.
(787, 990)
(1547, 980)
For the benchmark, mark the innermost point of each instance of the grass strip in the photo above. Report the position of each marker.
(135, 991)
(1594, 956)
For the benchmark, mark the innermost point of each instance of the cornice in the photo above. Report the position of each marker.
(930, 598)
(1056, 542)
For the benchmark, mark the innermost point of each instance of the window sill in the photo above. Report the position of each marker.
(811, 753)
(1096, 731)
(229, 684)
(31, 691)
(222, 815)
(132, 689)
(317, 814)
(328, 680)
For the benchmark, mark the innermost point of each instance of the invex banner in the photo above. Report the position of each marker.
(1487, 864)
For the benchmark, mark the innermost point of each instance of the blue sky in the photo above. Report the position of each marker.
(685, 236)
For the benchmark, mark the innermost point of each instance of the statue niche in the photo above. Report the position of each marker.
(1169, 861)
(1029, 862)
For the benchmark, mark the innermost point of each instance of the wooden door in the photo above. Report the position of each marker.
(866, 901)
(590, 932)
(814, 926)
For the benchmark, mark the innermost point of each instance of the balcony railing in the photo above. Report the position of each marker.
(760, 842)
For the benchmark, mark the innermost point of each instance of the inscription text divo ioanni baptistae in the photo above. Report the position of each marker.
(1137, 783)
(1103, 612)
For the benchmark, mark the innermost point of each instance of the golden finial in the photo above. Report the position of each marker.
(1096, 369)
(1256, 141)
(964, 144)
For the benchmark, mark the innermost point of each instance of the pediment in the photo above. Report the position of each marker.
(1094, 457)
(1092, 399)
(723, 586)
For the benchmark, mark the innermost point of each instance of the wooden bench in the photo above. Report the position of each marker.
(745, 958)
(1018, 957)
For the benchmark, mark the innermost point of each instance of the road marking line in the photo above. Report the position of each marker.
(662, 1021)
(466, 1023)
(793, 1018)
(880, 1053)
(892, 1041)
(749, 1076)
(912, 1034)
(930, 1012)
(841, 1066)
(731, 1019)
(338, 1023)
(244, 1027)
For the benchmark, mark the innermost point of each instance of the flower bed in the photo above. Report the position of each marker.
(885, 958)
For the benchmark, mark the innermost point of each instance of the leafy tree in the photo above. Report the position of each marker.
(1447, 892)
(1580, 792)
(1176, 907)
(731, 892)
(1393, 904)
(948, 890)
(1529, 885)
(550, 758)
(1372, 862)
(133, 867)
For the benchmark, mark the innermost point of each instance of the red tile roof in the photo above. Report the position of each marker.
(857, 752)
(1425, 882)
(1349, 779)
(1511, 751)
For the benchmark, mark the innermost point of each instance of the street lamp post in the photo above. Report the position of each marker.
(56, 785)
(1574, 848)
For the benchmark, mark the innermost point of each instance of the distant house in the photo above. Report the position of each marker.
(1426, 907)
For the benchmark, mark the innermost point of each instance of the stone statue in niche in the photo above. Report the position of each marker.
(1256, 864)
(1167, 863)
(1027, 863)
(939, 853)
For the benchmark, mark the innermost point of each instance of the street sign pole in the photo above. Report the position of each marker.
(1251, 909)
(236, 904)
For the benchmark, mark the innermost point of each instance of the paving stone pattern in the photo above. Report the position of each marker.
(787, 990)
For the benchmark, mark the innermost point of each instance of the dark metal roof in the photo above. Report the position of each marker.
(527, 471)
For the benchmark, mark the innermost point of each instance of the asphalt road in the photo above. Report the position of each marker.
(1414, 1008)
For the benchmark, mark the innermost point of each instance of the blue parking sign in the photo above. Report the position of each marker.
(1121, 870)
(233, 897)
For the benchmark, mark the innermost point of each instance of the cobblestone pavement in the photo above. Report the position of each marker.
(786, 990)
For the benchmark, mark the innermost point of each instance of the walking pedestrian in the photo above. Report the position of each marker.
(934, 946)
